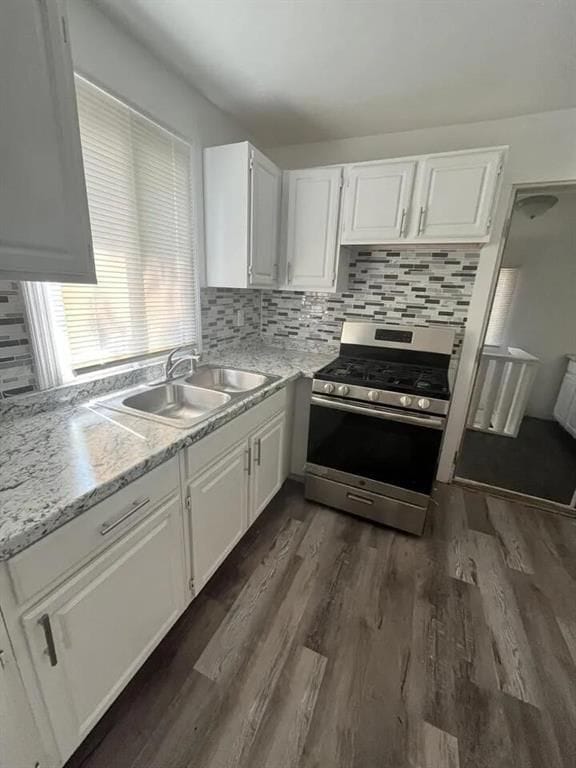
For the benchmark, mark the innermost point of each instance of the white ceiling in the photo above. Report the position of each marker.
(309, 70)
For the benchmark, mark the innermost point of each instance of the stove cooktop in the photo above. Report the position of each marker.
(426, 381)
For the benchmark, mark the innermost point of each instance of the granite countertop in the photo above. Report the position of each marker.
(57, 464)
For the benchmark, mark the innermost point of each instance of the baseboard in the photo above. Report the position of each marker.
(528, 501)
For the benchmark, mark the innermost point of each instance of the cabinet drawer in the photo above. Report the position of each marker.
(210, 447)
(41, 565)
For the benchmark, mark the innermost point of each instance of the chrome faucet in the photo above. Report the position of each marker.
(173, 361)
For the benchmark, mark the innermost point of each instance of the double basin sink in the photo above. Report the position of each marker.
(185, 401)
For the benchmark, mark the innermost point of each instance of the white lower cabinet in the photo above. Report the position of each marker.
(227, 488)
(565, 407)
(19, 741)
(89, 637)
(267, 451)
(84, 607)
(217, 500)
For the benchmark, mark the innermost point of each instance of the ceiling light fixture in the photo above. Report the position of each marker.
(536, 205)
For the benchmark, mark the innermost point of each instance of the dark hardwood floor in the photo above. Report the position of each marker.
(327, 642)
(540, 462)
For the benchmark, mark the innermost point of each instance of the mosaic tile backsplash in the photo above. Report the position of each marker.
(219, 307)
(16, 364)
(408, 287)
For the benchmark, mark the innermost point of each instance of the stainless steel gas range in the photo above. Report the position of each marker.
(377, 418)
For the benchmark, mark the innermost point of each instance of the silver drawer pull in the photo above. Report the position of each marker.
(361, 499)
(44, 622)
(107, 527)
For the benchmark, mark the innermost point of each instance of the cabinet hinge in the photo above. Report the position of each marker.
(191, 585)
(488, 223)
(188, 502)
(64, 30)
(500, 169)
(251, 163)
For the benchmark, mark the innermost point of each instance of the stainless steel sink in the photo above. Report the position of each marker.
(176, 404)
(230, 380)
(186, 401)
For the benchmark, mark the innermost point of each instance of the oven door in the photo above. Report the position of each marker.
(382, 450)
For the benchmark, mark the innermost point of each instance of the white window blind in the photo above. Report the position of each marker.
(138, 184)
(501, 307)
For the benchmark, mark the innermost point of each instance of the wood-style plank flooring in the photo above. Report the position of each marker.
(326, 642)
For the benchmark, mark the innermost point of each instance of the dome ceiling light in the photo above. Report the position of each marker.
(536, 205)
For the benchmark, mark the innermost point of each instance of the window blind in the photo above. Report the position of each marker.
(501, 307)
(138, 185)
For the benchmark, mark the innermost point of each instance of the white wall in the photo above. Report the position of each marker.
(543, 319)
(112, 58)
(542, 146)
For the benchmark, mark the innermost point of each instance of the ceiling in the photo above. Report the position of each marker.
(295, 71)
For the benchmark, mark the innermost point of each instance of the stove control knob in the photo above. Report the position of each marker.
(373, 395)
(423, 403)
(329, 388)
(405, 400)
(343, 390)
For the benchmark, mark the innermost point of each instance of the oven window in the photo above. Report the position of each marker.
(399, 454)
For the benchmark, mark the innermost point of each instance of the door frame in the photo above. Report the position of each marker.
(480, 307)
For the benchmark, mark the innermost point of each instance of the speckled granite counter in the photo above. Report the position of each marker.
(57, 464)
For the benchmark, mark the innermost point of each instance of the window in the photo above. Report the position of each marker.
(146, 300)
(501, 307)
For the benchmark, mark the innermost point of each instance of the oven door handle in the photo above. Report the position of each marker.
(378, 412)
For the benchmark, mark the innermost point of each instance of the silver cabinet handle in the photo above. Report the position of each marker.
(353, 497)
(421, 219)
(247, 460)
(2, 660)
(44, 622)
(403, 222)
(258, 452)
(289, 272)
(107, 527)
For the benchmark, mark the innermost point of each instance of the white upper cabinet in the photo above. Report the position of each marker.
(264, 220)
(44, 223)
(456, 196)
(312, 228)
(241, 213)
(377, 201)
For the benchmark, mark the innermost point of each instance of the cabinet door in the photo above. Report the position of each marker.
(457, 195)
(217, 504)
(377, 201)
(90, 636)
(19, 740)
(44, 224)
(267, 464)
(264, 220)
(566, 400)
(312, 228)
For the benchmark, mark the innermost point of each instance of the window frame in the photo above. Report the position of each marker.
(53, 366)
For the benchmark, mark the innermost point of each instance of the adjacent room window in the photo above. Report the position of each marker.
(139, 196)
(501, 307)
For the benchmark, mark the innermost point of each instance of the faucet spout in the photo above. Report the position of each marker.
(174, 359)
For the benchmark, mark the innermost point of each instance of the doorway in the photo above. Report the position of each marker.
(521, 427)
